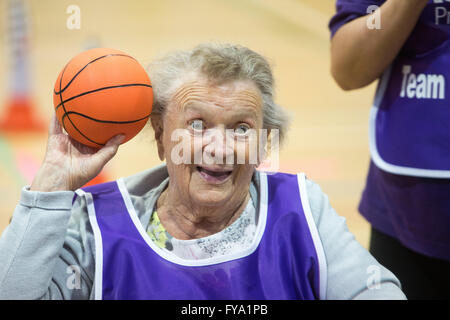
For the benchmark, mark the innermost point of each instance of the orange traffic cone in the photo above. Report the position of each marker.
(19, 111)
(20, 117)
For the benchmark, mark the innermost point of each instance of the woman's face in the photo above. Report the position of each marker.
(208, 139)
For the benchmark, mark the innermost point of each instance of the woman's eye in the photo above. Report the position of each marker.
(242, 129)
(197, 125)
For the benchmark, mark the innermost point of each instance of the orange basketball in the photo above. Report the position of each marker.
(101, 93)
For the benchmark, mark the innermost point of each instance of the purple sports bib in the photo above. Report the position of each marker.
(410, 119)
(286, 259)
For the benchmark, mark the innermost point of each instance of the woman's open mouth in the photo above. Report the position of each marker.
(215, 175)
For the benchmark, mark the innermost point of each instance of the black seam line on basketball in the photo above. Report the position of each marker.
(105, 121)
(65, 111)
(100, 89)
(60, 96)
(87, 138)
(90, 62)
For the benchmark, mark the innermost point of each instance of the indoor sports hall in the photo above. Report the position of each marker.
(328, 138)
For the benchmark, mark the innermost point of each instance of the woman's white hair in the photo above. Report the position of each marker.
(218, 63)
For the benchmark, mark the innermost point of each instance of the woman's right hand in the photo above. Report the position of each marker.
(68, 164)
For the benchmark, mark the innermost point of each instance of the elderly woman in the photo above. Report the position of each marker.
(191, 229)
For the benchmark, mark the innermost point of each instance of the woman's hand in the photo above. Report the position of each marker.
(68, 164)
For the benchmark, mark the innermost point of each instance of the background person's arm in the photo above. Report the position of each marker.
(359, 55)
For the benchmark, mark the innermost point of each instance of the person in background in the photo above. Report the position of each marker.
(406, 45)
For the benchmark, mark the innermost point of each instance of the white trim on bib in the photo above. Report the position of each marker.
(376, 157)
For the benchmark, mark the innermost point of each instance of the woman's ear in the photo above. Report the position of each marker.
(158, 128)
(269, 150)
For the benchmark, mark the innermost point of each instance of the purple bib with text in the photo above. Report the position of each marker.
(410, 121)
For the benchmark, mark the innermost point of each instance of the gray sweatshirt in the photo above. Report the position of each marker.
(48, 250)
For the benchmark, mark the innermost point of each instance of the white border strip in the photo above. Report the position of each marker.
(202, 262)
(406, 171)
(376, 157)
(323, 270)
(98, 281)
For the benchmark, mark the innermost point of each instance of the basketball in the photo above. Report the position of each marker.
(101, 93)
